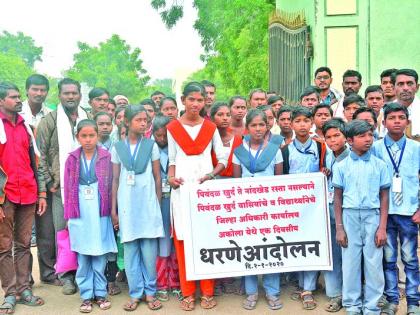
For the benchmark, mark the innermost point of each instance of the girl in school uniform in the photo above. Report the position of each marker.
(190, 141)
(167, 264)
(87, 207)
(138, 188)
(254, 158)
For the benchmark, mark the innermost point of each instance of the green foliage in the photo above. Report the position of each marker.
(15, 70)
(113, 65)
(22, 46)
(169, 13)
(163, 85)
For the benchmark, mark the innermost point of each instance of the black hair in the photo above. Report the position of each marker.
(373, 88)
(96, 92)
(111, 101)
(334, 123)
(157, 93)
(272, 99)
(234, 98)
(168, 98)
(353, 98)
(207, 83)
(5, 87)
(132, 110)
(352, 73)
(258, 90)
(215, 108)
(366, 110)
(358, 127)
(395, 107)
(308, 91)
(97, 115)
(319, 106)
(86, 123)
(284, 109)
(407, 72)
(388, 73)
(255, 112)
(160, 121)
(147, 101)
(192, 87)
(119, 109)
(323, 69)
(272, 92)
(300, 111)
(120, 127)
(68, 81)
(37, 79)
(265, 108)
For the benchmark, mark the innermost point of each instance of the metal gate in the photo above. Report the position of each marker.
(290, 50)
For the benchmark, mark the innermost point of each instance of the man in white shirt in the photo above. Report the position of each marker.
(352, 82)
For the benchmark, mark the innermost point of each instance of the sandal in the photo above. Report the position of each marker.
(274, 302)
(250, 302)
(187, 303)
(162, 295)
(103, 303)
(296, 294)
(207, 302)
(131, 305)
(413, 310)
(86, 306)
(334, 304)
(389, 309)
(382, 302)
(177, 293)
(113, 288)
(153, 303)
(308, 300)
(8, 306)
(28, 299)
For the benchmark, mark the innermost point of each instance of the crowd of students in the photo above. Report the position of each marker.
(111, 177)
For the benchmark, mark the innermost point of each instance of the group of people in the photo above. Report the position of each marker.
(111, 176)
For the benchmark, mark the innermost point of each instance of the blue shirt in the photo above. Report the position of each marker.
(361, 178)
(330, 163)
(408, 170)
(300, 162)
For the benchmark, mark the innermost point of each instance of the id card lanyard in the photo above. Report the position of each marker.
(88, 191)
(131, 179)
(396, 179)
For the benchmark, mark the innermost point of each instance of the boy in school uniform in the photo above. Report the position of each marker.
(402, 158)
(352, 103)
(361, 185)
(285, 124)
(304, 155)
(321, 114)
(368, 114)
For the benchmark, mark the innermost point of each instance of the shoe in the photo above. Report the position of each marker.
(413, 310)
(69, 287)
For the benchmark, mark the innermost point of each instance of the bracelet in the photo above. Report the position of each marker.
(42, 197)
(340, 224)
(211, 175)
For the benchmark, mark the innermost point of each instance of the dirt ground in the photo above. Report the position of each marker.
(59, 304)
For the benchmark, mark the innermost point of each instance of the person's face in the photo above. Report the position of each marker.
(284, 122)
(169, 109)
(238, 109)
(88, 137)
(257, 128)
(366, 116)
(349, 111)
(193, 103)
(302, 125)
(310, 100)
(138, 123)
(161, 137)
(375, 100)
(104, 126)
(321, 116)
(99, 103)
(157, 98)
(69, 96)
(335, 139)
(111, 110)
(396, 123)
(276, 106)
(123, 133)
(405, 88)
(222, 118)
(211, 95)
(37, 94)
(270, 118)
(351, 85)
(361, 143)
(12, 102)
(119, 119)
(150, 110)
(323, 80)
(257, 99)
(121, 102)
(388, 87)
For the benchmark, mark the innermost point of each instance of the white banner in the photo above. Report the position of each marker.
(258, 225)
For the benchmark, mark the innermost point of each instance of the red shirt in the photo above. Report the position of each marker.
(21, 186)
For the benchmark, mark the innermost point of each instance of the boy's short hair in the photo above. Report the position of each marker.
(300, 111)
(319, 106)
(157, 93)
(395, 107)
(366, 110)
(353, 98)
(265, 108)
(274, 98)
(335, 123)
(352, 73)
(323, 69)
(358, 127)
(373, 88)
(308, 91)
(284, 109)
(388, 73)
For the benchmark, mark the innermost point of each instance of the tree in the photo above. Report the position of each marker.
(113, 65)
(20, 45)
(15, 70)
